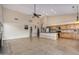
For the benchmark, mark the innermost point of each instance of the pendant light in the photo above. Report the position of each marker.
(77, 17)
(77, 14)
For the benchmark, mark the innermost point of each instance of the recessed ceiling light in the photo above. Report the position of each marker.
(43, 11)
(55, 12)
(52, 10)
(37, 8)
(46, 13)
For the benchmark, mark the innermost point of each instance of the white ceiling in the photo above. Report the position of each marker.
(44, 9)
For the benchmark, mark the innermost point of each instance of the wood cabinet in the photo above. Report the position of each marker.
(71, 26)
(67, 35)
(77, 26)
(63, 27)
(68, 27)
(54, 27)
(77, 36)
(68, 31)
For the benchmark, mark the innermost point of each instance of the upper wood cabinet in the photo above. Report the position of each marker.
(54, 27)
(71, 26)
(63, 27)
(66, 26)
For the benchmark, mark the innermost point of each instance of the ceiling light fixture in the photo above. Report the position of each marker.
(55, 12)
(52, 10)
(77, 18)
(46, 13)
(77, 14)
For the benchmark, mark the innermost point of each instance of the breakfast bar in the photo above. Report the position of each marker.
(53, 36)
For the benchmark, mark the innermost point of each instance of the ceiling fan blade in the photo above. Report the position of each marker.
(39, 15)
(34, 14)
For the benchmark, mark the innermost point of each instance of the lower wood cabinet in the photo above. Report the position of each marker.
(67, 35)
(77, 36)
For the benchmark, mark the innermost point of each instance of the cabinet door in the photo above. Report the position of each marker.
(70, 35)
(72, 26)
(54, 27)
(64, 27)
(67, 35)
(77, 36)
(69, 26)
(77, 26)
(63, 35)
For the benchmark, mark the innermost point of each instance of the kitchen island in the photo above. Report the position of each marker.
(48, 35)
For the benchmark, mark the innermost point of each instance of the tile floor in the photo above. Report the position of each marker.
(41, 46)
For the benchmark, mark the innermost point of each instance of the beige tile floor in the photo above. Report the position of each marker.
(25, 46)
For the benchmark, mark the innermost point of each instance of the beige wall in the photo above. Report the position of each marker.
(15, 28)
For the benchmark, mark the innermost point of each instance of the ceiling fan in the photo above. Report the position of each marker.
(35, 14)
